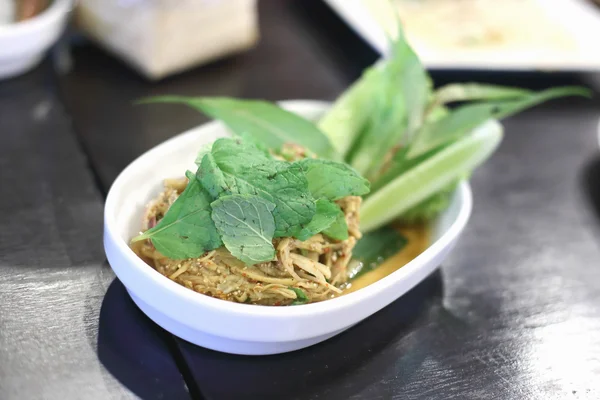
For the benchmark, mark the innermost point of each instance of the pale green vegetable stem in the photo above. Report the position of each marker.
(430, 176)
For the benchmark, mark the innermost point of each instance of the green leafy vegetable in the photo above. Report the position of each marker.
(242, 197)
(398, 103)
(389, 123)
(187, 230)
(333, 180)
(475, 91)
(468, 117)
(429, 208)
(344, 120)
(264, 121)
(204, 150)
(327, 213)
(339, 229)
(429, 177)
(374, 248)
(301, 297)
(238, 167)
(246, 226)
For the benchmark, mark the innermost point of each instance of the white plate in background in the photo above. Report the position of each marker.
(23, 44)
(580, 20)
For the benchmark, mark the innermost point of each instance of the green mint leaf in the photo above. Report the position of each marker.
(266, 122)
(333, 180)
(204, 150)
(187, 230)
(374, 248)
(246, 226)
(218, 183)
(238, 167)
(326, 215)
(339, 229)
(301, 297)
(295, 205)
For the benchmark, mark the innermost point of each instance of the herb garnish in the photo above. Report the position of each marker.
(301, 297)
(243, 197)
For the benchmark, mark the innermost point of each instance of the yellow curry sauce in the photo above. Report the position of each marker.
(418, 241)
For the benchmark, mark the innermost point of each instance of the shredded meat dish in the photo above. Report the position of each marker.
(317, 267)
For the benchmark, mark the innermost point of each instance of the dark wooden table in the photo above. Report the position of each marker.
(514, 313)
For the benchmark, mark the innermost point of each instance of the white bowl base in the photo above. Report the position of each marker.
(18, 66)
(218, 343)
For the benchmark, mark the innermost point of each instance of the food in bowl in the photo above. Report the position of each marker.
(251, 226)
(290, 212)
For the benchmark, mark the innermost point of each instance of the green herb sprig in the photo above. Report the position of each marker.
(242, 197)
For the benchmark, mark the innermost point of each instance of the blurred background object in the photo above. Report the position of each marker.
(7, 11)
(26, 9)
(485, 34)
(27, 30)
(163, 37)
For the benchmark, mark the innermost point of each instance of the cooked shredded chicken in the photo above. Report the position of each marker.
(317, 266)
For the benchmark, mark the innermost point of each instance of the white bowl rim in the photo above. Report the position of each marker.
(267, 312)
(56, 9)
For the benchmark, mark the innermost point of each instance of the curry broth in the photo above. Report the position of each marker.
(418, 240)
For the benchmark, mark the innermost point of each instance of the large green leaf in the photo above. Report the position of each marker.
(465, 118)
(264, 121)
(344, 120)
(326, 215)
(475, 91)
(398, 98)
(187, 229)
(238, 167)
(246, 226)
(333, 180)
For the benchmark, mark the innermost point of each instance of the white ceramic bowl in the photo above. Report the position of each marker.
(23, 44)
(241, 328)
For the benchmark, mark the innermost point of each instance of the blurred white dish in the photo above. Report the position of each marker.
(240, 328)
(7, 11)
(23, 44)
(567, 32)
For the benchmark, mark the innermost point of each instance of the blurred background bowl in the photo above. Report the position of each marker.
(24, 43)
